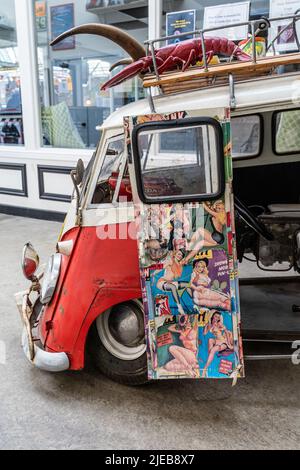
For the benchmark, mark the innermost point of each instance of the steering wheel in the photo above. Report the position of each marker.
(251, 220)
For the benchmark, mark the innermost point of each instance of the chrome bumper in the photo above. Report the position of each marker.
(48, 361)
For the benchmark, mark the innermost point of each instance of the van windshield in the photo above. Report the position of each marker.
(109, 172)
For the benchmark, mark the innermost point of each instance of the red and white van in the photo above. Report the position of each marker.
(145, 273)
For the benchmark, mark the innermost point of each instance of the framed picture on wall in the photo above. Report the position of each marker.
(180, 22)
(286, 42)
(41, 15)
(62, 19)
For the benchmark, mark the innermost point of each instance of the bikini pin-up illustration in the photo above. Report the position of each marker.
(222, 338)
(218, 220)
(185, 356)
(170, 280)
(201, 293)
(202, 237)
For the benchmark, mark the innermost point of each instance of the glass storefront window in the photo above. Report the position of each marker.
(258, 8)
(11, 124)
(71, 73)
(207, 15)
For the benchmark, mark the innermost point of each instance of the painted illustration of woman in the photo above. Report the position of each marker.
(170, 281)
(202, 295)
(179, 223)
(222, 338)
(181, 219)
(218, 220)
(158, 222)
(202, 237)
(185, 356)
(153, 222)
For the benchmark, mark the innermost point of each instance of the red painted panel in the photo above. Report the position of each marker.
(99, 274)
(50, 309)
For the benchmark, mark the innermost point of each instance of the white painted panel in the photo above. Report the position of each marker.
(11, 179)
(57, 183)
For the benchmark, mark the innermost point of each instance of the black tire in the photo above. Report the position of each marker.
(127, 372)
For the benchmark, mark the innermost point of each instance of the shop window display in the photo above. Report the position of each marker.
(216, 13)
(71, 73)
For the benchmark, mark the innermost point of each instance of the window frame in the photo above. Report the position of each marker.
(261, 138)
(273, 120)
(179, 123)
(98, 168)
(9, 114)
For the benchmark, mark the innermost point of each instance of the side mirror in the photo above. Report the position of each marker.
(30, 261)
(78, 173)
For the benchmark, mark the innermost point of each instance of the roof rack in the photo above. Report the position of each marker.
(210, 75)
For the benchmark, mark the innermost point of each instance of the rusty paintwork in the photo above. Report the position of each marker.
(90, 283)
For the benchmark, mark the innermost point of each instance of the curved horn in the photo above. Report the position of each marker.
(126, 61)
(124, 40)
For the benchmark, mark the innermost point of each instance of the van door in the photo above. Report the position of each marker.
(181, 176)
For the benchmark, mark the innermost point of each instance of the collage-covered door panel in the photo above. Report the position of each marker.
(181, 171)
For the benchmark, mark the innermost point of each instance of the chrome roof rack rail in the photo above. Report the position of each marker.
(255, 27)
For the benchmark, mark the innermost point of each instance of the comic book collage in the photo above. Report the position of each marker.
(189, 286)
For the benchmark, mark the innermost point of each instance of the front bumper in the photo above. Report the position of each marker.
(36, 355)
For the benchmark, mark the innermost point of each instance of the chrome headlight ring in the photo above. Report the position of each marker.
(51, 276)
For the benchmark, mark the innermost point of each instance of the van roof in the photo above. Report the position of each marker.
(264, 93)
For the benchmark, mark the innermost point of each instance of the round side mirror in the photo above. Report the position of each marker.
(30, 261)
(79, 172)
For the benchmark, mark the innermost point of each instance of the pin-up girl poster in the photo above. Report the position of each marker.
(177, 340)
(216, 351)
(202, 293)
(204, 283)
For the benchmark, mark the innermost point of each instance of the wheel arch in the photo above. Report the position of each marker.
(104, 300)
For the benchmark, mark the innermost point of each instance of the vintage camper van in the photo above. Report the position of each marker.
(184, 188)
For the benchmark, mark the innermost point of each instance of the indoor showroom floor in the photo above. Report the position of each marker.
(85, 410)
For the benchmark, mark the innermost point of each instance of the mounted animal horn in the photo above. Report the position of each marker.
(126, 61)
(124, 40)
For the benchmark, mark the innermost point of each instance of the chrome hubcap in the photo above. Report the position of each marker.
(121, 330)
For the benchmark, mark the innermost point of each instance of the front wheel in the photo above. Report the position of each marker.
(117, 343)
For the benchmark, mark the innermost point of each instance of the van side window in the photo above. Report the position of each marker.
(286, 130)
(246, 136)
(108, 176)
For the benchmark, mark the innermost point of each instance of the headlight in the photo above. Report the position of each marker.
(51, 276)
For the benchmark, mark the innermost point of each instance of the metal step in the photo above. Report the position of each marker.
(270, 349)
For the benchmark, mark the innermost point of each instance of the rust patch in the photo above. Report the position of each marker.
(49, 325)
(100, 283)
